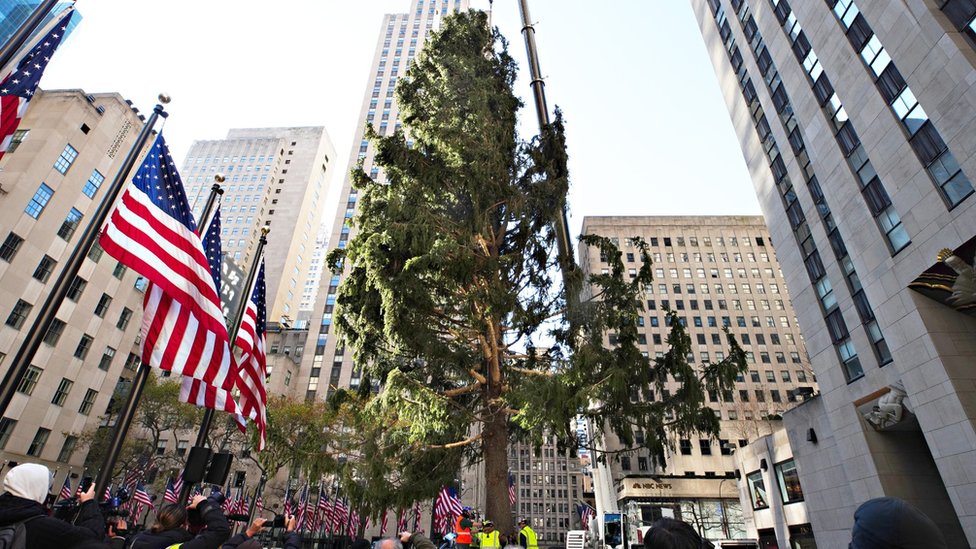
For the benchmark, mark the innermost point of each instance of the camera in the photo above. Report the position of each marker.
(67, 508)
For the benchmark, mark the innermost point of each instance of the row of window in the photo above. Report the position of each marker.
(940, 164)
(722, 241)
(733, 287)
(801, 230)
(962, 15)
(718, 304)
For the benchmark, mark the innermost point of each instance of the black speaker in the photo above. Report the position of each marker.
(219, 468)
(196, 464)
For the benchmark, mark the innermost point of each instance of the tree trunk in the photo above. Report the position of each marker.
(495, 444)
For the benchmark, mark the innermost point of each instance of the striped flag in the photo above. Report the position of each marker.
(18, 88)
(178, 483)
(152, 231)
(66, 488)
(586, 514)
(302, 502)
(310, 514)
(416, 512)
(108, 493)
(253, 361)
(287, 504)
(259, 504)
(141, 497)
(339, 515)
(171, 495)
(447, 506)
(383, 523)
(401, 520)
(511, 489)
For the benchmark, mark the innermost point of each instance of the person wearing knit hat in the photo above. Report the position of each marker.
(893, 523)
(26, 487)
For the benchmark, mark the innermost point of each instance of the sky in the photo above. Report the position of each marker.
(647, 129)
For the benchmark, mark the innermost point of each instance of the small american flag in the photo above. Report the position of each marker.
(323, 512)
(586, 514)
(339, 515)
(171, 495)
(152, 231)
(416, 512)
(511, 489)
(301, 517)
(18, 88)
(287, 504)
(108, 493)
(401, 520)
(141, 497)
(447, 506)
(66, 488)
(259, 504)
(383, 523)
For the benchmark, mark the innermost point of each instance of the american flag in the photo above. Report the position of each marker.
(130, 480)
(152, 231)
(586, 514)
(353, 523)
(196, 392)
(321, 509)
(447, 506)
(171, 495)
(401, 520)
(287, 504)
(66, 488)
(339, 515)
(178, 484)
(302, 502)
(253, 361)
(383, 523)
(108, 493)
(18, 88)
(311, 520)
(141, 497)
(416, 513)
(511, 489)
(259, 504)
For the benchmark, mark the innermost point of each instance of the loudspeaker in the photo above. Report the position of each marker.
(196, 464)
(219, 468)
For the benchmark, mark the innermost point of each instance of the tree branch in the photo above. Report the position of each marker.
(457, 444)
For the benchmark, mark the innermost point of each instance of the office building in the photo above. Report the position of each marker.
(316, 268)
(14, 13)
(276, 179)
(326, 366)
(53, 177)
(715, 273)
(856, 121)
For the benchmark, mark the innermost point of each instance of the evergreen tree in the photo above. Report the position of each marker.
(451, 283)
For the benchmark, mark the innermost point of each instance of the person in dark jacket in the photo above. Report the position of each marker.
(26, 487)
(169, 528)
(893, 523)
(244, 540)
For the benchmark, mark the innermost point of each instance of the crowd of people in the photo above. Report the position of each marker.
(26, 522)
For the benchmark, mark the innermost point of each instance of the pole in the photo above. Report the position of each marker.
(45, 316)
(128, 411)
(235, 326)
(565, 250)
(17, 41)
(258, 492)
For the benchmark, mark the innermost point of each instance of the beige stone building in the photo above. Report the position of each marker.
(63, 158)
(856, 120)
(715, 272)
(276, 178)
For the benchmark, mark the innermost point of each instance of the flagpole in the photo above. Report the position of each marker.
(24, 32)
(258, 492)
(128, 411)
(235, 327)
(62, 283)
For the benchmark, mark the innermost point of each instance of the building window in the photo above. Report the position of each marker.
(81, 351)
(19, 137)
(789, 482)
(181, 447)
(757, 490)
(40, 439)
(685, 446)
(706, 446)
(88, 402)
(68, 449)
(132, 362)
(10, 247)
(119, 270)
(67, 157)
(102, 307)
(107, 357)
(95, 252)
(54, 332)
(70, 224)
(76, 288)
(6, 429)
(94, 182)
(19, 314)
(62, 393)
(124, 319)
(29, 381)
(625, 463)
(39, 201)
(45, 267)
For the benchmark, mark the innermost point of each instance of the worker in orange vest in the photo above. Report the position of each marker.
(462, 529)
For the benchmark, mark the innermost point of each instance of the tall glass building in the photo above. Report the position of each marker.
(14, 13)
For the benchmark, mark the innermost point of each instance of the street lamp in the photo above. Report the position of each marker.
(721, 506)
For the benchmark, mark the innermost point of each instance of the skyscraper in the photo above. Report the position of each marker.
(401, 36)
(13, 14)
(716, 273)
(855, 118)
(276, 178)
(54, 178)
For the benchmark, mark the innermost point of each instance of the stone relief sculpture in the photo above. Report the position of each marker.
(889, 409)
(964, 288)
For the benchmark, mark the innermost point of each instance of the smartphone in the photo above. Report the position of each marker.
(86, 483)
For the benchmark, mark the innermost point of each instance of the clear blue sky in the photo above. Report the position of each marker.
(647, 128)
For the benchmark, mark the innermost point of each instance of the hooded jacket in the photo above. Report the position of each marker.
(26, 488)
(216, 532)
